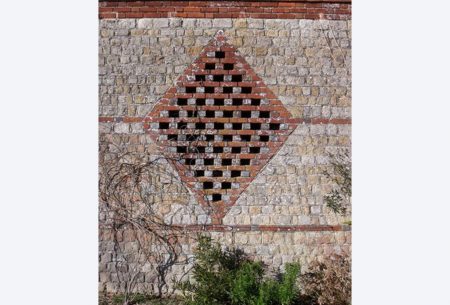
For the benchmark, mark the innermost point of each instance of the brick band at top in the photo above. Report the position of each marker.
(219, 126)
(266, 9)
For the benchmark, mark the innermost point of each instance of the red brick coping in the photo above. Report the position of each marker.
(268, 9)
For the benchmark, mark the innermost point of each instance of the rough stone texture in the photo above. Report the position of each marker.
(273, 248)
(306, 63)
(291, 187)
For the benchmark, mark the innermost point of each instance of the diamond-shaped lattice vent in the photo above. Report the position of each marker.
(219, 125)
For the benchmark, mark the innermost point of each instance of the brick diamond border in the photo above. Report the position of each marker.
(219, 126)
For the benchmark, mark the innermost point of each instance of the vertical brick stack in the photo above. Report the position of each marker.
(219, 125)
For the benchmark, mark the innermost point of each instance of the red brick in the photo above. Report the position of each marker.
(107, 9)
(209, 9)
(152, 15)
(105, 119)
(107, 15)
(134, 15)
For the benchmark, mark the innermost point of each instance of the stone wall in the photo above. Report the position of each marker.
(274, 248)
(280, 216)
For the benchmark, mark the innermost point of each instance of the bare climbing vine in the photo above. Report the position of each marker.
(129, 189)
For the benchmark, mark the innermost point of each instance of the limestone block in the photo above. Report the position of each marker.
(122, 128)
(160, 23)
(145, 23)
(240, 23)
(222, 23)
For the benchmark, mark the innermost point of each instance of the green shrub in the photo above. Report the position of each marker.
(229, 278)
(287, 289)
(134, 298)
(246, 284)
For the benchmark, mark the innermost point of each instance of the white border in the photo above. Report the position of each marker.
(400, 148)
(401, 151)
(48, 251)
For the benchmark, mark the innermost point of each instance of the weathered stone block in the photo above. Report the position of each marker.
(160, 23)
(222, 23)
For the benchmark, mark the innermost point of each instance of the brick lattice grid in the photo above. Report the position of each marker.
(219, 126)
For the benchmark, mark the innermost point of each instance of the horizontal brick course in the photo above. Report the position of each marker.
(307, 9)
(314, 121)
(263, 228)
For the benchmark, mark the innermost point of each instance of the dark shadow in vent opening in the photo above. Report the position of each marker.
(182, 101)
(246, 90)
(199, 173)
(200, 125)
(218, 78)
(200, 78)
(235, 174)
(208, 185)
(245, 161)
(226, 161)
(217, 173)
(174, 113)
(274, 126)
(264, 114)
(227, 89)
(237, 126)
(163, 125)
(246, 114)
(236, 78)
(208, 161)
(264, 138)
(237, 102)
(218, 101)
(181, 149)
(246, 138)
(226, 185)
(218, 125)
(228, 114)
(216, 197)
